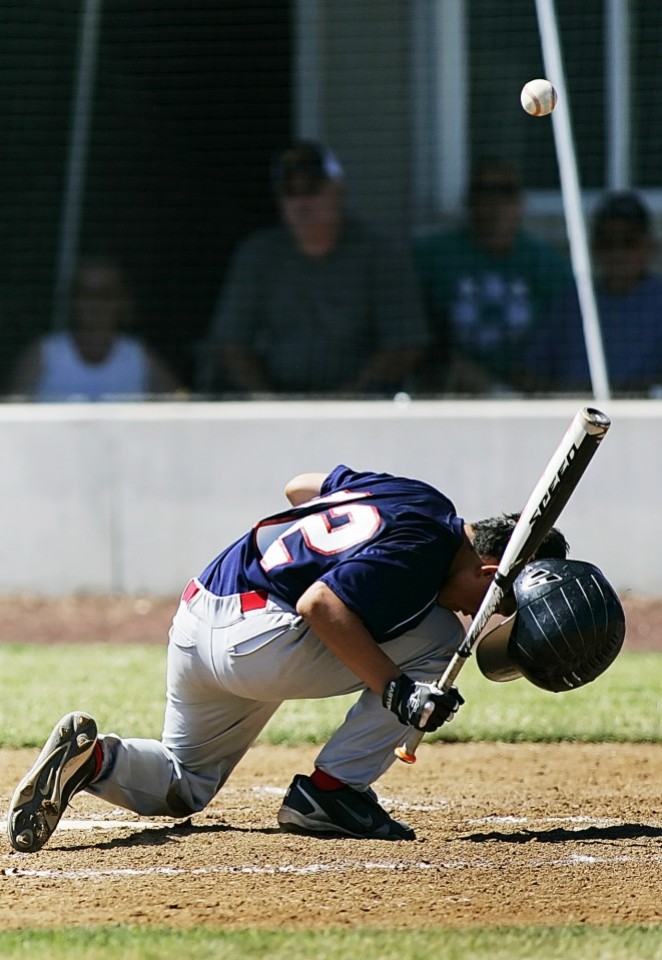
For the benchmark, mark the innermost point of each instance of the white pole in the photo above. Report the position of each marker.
(572, 200)
(67, 250)
(308, 73)
(618, 19)
(452, 95)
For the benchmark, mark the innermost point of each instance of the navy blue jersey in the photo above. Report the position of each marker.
(383, 544)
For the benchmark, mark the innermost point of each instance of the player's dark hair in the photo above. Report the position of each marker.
(492, 535)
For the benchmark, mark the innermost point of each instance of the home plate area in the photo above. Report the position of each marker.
(507, 834)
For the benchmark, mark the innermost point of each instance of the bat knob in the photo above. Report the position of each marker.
(401, 754)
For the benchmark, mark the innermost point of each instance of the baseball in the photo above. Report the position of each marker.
(538, 97)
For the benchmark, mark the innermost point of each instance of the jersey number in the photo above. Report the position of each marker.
(319, 534)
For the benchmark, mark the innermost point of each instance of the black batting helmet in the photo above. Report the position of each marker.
(568, 627)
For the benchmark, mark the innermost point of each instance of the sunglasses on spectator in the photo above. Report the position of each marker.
(619, 241)
(300, 187)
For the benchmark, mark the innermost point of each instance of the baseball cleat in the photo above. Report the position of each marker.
(352, 813)
(64, 767)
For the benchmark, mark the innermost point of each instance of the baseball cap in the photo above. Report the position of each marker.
(624, 205)
(306, 158)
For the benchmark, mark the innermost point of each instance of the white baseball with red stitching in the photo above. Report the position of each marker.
(538, 97)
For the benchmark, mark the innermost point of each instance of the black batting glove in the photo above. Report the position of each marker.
(424, 706)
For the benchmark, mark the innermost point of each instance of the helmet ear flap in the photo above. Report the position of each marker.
(492, 656)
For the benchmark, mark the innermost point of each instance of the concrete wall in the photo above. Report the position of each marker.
(137, 498)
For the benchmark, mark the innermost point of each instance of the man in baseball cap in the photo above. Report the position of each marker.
(322, 304)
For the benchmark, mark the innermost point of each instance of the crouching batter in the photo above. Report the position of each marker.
(353, 588)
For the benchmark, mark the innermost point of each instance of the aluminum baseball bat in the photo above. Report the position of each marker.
(553, 490)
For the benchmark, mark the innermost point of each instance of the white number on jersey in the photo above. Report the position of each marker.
(362, 521)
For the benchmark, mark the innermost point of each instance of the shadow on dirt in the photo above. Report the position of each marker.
(164, 834)
(621, 831)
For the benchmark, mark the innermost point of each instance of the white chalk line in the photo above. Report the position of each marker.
(351, 866)
(105, 825)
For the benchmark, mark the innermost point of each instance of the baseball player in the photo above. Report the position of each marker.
(355, 587)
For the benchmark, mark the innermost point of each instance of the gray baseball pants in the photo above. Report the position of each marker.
(229, 667)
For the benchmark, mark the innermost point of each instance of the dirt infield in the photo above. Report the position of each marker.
(508, 834)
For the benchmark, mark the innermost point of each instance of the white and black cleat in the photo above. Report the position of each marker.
(65, 766)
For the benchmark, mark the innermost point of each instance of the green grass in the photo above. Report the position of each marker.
(124, 688)
(134, 943)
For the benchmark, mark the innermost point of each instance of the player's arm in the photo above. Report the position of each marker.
(415, 703)
(304, 487)
(346, 636)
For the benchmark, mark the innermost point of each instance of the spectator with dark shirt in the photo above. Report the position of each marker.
(629, 305)
(321, 304)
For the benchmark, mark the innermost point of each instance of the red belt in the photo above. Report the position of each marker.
(253, 600)
(191, 589)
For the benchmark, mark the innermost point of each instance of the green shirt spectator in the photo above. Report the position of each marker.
(487, 285)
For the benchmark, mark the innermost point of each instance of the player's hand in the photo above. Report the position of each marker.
(424, 706)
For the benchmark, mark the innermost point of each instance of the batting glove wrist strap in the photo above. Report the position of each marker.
(424, 706)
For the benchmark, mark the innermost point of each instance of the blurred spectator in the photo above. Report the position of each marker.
(629, 303)
(94, 359)
(322, 303)
(486, 283)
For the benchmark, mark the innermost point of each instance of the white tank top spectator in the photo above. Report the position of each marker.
(94, 358)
